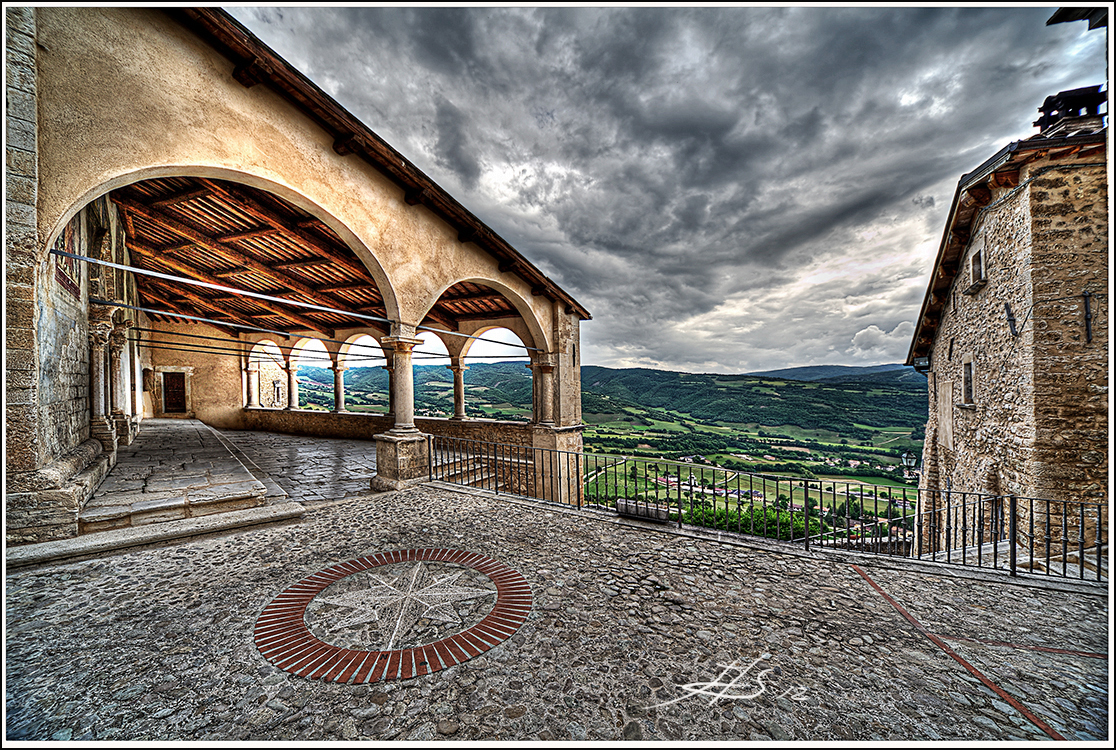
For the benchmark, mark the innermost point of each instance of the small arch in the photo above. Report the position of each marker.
(361, 350)
(495, 344)
(432, 351)
(534, 330)
(314, 374)
(308, 352)
(365, 383)
(270, 380)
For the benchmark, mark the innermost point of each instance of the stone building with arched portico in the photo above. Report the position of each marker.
(178, 195)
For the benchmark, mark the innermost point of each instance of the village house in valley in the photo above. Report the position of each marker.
(186, 213)
(1013, 331)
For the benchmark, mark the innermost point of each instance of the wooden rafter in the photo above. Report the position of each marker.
(231, 255)
(199, 300)
(199, 275)
(258, 211)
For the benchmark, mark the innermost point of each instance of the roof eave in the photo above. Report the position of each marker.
(256, 63)
(969, 181)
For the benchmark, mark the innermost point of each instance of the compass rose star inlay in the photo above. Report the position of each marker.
(397, 605)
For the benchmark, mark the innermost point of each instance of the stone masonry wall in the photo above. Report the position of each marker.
(993, 438)
(63, 325)
(21, 243)
(1070, 225)
(363, 426)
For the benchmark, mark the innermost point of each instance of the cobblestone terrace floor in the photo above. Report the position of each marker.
(158, 644)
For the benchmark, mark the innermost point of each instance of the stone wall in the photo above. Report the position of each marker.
(1038, 424)
(21, 243)
(360, 426)
(63, 337)
(1070, 225)
(992, 438)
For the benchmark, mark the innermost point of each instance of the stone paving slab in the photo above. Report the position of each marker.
(175, 468)
(157, 644)
(308, 469)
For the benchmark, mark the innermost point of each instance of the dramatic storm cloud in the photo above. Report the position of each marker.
(725, 189)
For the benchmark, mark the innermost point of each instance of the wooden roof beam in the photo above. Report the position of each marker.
(182, 197)
(198, 301)
(257, 211)
(229, 254)
(468, 297)
(437, 316)
(199, 275)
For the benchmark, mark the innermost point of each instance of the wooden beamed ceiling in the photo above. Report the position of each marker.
(232, 235)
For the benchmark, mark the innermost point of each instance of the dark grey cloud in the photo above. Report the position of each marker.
(724, 188)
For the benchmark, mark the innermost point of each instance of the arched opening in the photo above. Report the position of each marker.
(491, 333)
(498, 382)
(267, 376)
(433, 385)
(314, 375)
(363, 382)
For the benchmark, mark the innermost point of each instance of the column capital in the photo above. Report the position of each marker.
(457, 367)
(401, 344)
(99, 332)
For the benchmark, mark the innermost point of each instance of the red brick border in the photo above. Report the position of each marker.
(283, 638)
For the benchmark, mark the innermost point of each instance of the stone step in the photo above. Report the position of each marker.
(123, 510)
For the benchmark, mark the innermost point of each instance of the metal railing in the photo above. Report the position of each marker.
(1029, 535)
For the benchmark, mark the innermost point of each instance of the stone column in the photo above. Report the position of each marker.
(535, 410)
(116, 372)
(100, 426)
(402, 456)
(458, 370)
(403, 382)
(253, 385)
(544, 407)
(339, 387)
(118, 342)
(391, 391)
(292, 386)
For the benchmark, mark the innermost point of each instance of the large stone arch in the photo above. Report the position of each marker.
(347, 235)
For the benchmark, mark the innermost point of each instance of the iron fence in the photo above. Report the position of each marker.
(1028, 535)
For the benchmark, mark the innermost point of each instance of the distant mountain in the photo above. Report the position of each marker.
(827, 372)
(824, 397)
(878, 398)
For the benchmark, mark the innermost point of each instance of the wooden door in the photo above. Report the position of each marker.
(174, 393)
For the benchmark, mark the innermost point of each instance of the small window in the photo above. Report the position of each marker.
(968, 381)
(978, 268)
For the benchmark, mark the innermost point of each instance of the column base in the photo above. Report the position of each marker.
(103, 431)
(402, 459)
(126, 429)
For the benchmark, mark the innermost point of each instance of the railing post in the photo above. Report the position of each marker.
(805, 511)
(1011, 533)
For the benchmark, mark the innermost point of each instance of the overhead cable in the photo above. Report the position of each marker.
(266, 297)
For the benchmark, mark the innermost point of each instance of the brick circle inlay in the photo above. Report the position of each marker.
(429, 581)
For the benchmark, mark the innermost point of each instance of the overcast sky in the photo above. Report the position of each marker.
(725, 189)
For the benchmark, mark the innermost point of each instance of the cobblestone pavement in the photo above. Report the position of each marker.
(175, 468)
(157, 644)
(309, 469)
